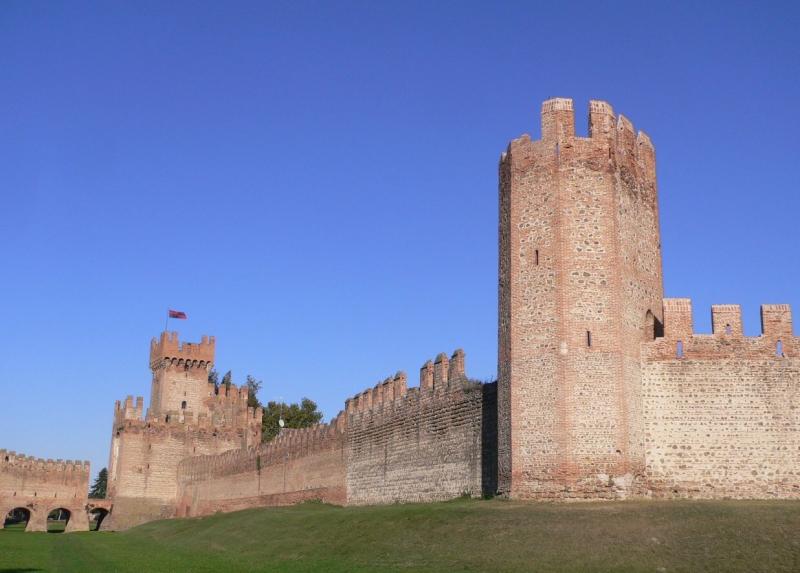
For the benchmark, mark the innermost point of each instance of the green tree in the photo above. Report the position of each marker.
(253, 386)
(302, 415)
(213, 378)
(100, 485)
(227, 380)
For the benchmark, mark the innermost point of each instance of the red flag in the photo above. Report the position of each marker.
(177, 314)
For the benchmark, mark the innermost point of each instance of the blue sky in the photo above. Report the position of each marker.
(315, 183)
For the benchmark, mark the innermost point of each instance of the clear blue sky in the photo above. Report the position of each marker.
(315, 184)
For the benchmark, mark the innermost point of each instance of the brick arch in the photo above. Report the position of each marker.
(5, 509)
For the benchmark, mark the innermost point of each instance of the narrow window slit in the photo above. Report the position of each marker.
(536, 257)
(588, 338)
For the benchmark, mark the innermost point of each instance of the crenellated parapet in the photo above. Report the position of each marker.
(168, 349)
(128, 409)
(13, 461)
(613, 142)
(727, 339)
(436, 377)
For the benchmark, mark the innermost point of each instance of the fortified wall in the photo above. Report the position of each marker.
(390, 444)
(424, 443)
(40, 486)
(298, 465)
(722, 410)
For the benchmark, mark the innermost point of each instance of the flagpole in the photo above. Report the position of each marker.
(166, 322)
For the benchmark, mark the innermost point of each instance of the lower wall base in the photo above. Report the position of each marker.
(130, 512)
(334, 496)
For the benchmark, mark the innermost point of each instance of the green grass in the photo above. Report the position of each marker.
(462, 535)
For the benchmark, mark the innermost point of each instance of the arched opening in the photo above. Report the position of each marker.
(652, 328)
(96, 517)
(57, 520)
(779, 349)
(679, 349)
(17, 519)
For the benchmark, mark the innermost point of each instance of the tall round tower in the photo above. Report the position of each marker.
(580, 289)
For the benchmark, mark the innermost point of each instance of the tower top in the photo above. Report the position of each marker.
(168, 346)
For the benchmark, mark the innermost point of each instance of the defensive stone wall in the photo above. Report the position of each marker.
(722, 410)
(420, 444)
(297, 465)
(40, 486)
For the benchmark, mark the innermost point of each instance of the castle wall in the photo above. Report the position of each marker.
(40, 486)
(580, 267)
(391, 444)
(723, 419)
(297, 465)
(421, 444)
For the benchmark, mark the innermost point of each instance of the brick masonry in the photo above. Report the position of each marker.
(579, 279)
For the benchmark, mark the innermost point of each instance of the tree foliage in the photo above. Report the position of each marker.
(100, 485)
(253, 386)
(213, 378)
(227, 379)
(302, 415)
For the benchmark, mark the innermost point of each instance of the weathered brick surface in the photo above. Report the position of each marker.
(423, 444)
(723, 420)
(40, 486)
(580, 269)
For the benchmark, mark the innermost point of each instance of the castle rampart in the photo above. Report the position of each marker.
(722, 410)
(391, 443)
(424, 445)
(298, 464)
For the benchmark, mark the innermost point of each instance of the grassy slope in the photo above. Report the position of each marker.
(455, 536)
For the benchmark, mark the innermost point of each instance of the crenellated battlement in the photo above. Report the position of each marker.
(727, 339)
(128, 410)
(10, 461)
(612, 139)
(168, 347)
(435, 377)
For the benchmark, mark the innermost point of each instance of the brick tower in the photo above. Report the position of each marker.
(580, 288)
(188, 416)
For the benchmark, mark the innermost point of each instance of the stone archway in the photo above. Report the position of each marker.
(96, 518)
(17, 518)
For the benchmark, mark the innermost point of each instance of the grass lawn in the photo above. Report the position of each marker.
(462, 535)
